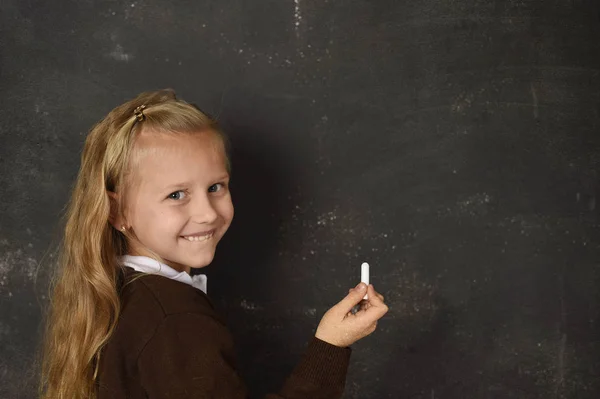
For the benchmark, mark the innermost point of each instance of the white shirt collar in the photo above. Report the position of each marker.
(148, 265)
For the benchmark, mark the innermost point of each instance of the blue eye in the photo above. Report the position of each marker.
(216, 187)
(177, 195)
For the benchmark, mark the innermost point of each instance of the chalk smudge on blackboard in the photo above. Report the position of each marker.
(14, 262)
(250, 306)
(326, 217)
(297, 17)
(462, 102)
(477, 204)
(309, 312)
(535, 102)
(118, 54)
(304, 311)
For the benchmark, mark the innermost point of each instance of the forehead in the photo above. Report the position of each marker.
(165, 158)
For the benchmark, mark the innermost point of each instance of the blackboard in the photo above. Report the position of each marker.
(451, 144)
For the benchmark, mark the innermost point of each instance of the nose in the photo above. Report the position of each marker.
(203, 210)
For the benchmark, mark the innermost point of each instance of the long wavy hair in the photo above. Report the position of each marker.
(84, 305)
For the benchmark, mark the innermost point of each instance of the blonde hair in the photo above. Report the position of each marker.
(84, 305)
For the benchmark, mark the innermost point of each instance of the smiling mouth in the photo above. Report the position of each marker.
(199, 237)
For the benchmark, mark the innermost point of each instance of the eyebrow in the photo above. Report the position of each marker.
(189, 183)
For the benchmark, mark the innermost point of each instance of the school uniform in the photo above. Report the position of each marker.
(170, 343)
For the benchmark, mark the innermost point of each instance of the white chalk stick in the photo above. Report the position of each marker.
(364, 275)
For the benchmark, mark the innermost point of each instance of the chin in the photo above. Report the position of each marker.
(200, 263)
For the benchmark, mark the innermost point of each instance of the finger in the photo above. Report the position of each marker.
(379, 296)
(376, 301)
(374, 292)
(353, 298)
(366, 304)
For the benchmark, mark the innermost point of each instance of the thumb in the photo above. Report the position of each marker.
(353, 297)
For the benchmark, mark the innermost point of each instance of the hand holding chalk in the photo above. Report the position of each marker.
(340, 327)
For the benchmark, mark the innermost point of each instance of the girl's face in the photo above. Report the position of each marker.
(178, 204)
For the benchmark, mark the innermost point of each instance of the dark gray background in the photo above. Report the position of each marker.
(451, 144)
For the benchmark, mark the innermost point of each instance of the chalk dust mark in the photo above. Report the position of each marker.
(535, 102)
(462, 102)
(118, 54)
(250, 306)
(297, 17)
(311, 312)
(15, 262)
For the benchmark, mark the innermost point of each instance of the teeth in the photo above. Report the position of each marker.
(199, 238)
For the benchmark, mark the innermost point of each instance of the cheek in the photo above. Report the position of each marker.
(171, 219)
(143, 215)
(151, 221)
(226, 210)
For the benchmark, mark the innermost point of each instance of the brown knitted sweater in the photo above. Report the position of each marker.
(170, 343)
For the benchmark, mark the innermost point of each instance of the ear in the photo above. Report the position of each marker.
(117, 220)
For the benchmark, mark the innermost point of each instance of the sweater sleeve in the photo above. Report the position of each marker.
(191, 356)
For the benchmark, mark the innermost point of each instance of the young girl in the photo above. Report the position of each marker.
(127, 319)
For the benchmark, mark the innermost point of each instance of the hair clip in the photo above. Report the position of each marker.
(139, 112)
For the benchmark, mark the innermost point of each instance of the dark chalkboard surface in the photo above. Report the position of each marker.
(451, 144)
